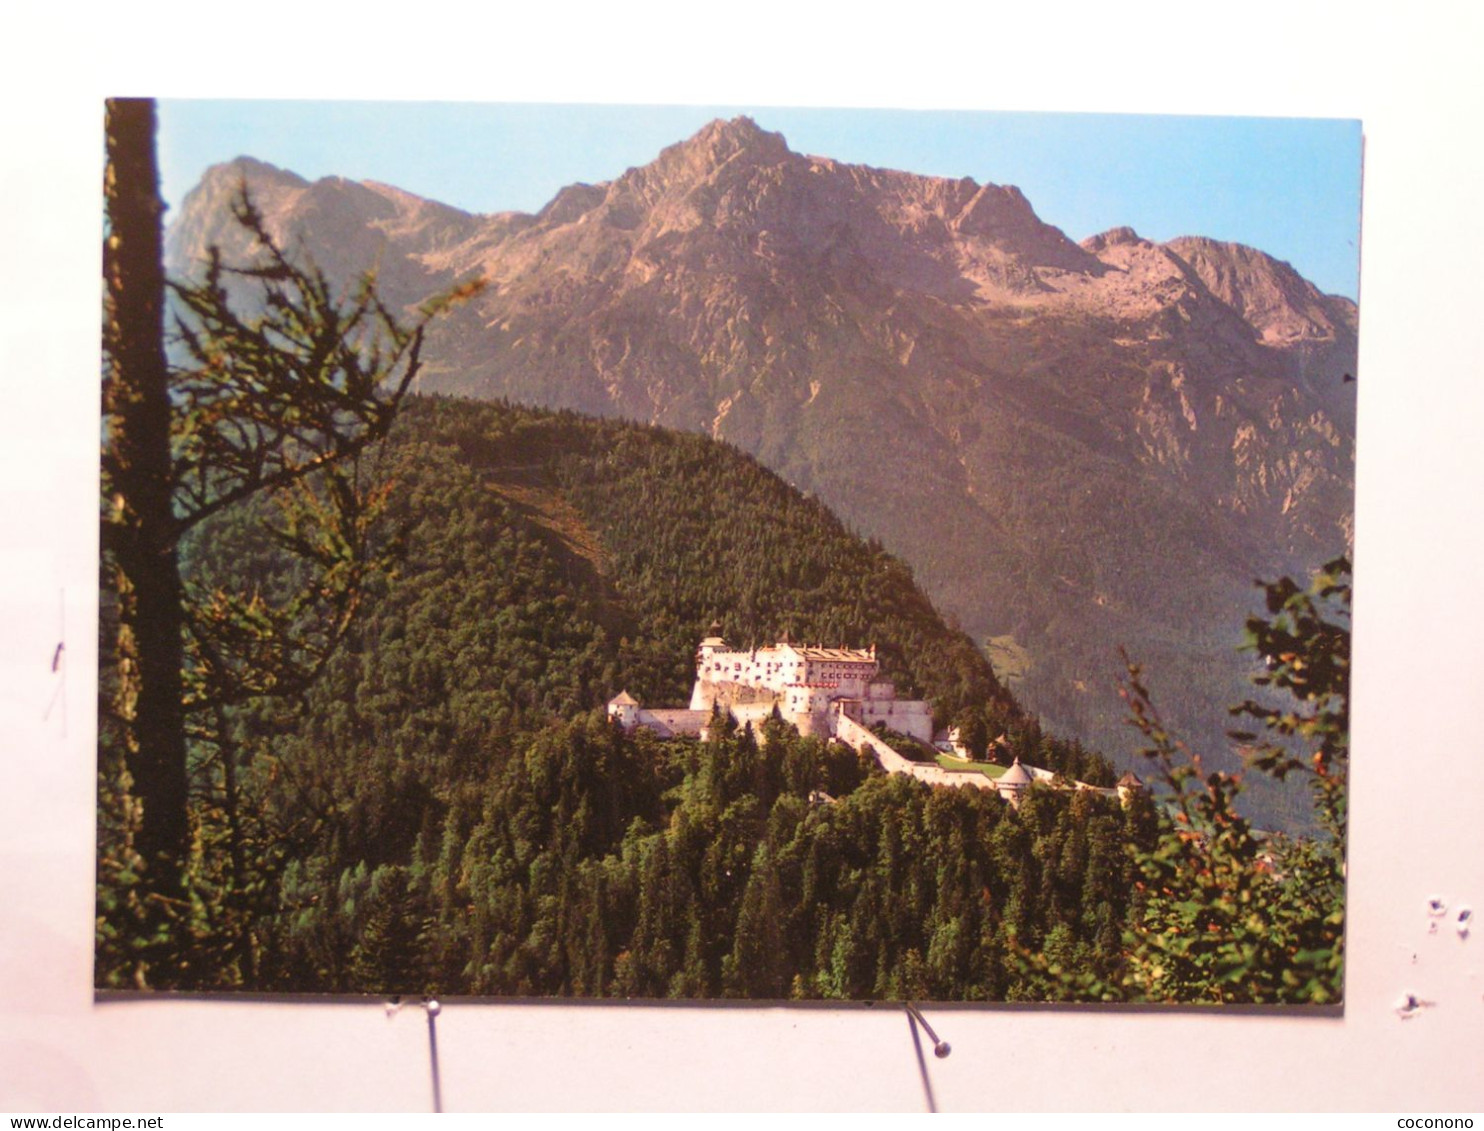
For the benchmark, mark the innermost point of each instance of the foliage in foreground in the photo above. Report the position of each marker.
(260, 387)
(1231, 914)
(225, 409)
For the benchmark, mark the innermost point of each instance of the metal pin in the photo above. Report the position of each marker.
(433, 1009)
(927, 1084)
(941, 1048)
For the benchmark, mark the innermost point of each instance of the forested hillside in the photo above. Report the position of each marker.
(447, 809)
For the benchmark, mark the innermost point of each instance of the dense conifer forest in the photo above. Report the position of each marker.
(447, 808)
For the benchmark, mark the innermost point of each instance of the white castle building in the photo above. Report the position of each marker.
(809, 685)
(826, 692)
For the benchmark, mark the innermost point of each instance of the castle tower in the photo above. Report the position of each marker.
(1012, 784)
(1127, 786)
(623, 708)
(712, 642)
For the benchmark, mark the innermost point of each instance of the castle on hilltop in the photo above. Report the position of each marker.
(828, 693)
(810, 685)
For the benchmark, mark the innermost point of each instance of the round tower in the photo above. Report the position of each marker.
(713, 641)
(623, 708)
(1127, 786)
(1013, 783)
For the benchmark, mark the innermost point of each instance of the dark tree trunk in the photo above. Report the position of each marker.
(139, 527)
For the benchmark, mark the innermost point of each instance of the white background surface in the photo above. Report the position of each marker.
(1418, 780)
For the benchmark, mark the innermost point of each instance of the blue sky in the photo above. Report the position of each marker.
(1288, 186)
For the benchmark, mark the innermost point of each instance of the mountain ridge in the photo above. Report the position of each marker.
(1078, 446)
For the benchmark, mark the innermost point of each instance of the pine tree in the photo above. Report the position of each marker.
(218, 410)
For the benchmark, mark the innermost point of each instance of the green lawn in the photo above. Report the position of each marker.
(949, 762)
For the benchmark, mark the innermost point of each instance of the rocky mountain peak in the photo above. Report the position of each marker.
(204, 215)
(724, 139)
(1122, 236)
(995, 209)
(716, 145)
(253, 171)
(1279, 303)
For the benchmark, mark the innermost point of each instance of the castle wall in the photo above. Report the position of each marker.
(755, 714)
(707, 693)
(907, 716)
(674, 722)
(776, 666)
(851, 732)
(821, 692)
(812, 726)
(770, 668)
(826, 692)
